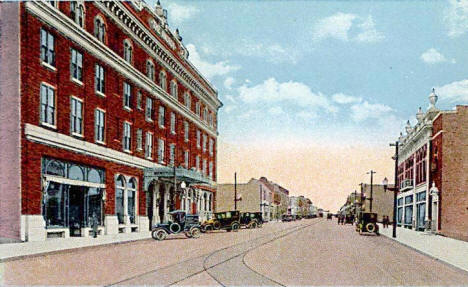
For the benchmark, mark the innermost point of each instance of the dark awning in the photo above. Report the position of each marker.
(167, 174)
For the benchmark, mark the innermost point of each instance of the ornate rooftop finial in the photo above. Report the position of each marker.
(409, 129)
(178, 35)
(433, 100)
(419, 114)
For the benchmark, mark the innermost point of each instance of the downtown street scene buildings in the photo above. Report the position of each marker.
(108, 120)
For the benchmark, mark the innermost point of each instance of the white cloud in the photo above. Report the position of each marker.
(228, 82)
(307, 115)
(180, 13)
(336, 26)
(369, 34)
(363, 111)
(456, 18)
(276, 111)
(248, 114)
(273, 53)
(454, 92)
(271, 91)
(228, 109)
(345, 99)
(209, 70)
(230, 98)
(340, 25)
(432, 56)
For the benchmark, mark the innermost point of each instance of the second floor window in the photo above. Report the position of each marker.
(128, 52)
(127, 95)
(150, 70)
(99, 30)
(162, 80)
(149, 146)
(174, 89)
(187, 101)
(162, 116)
(198, 138)
(204, 143)
(127, 136)
(77, 13)
(173, 123)
(47, 47)
(76, 116)
(197, 162)
(139, 139)
(172, 154)
(149, 109)
(76, 65)
(186, 131)
(186, 158)
(47, 105)
(161, 151)
(99, 125)
(197, 108)
(211, 146)
(99, 79)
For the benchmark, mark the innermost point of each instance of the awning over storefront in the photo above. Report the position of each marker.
(167, 174)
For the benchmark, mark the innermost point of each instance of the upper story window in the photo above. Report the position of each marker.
(99, 126)
(76, 65)
(162, 116)
(47, 48)
(150, 70)
(186, 158)
(53, 3)
(76, 116)
(163, 80)
(128, 51)
(139, 96)
(198, 138)
(149, 146)
(149, 109)
(127, 136)
(48, 114)
(139, 139)
(186, 131)
(188, 100)
(173, 123)
(204, 142)
(211, 146)
(197, 162)
(205, 114)
(161, 150)
(127, 96)
(77, 13)
(99, 79)
(100, 29)
(197, 108)
(210, 172)
(172, 154)
(174, 89)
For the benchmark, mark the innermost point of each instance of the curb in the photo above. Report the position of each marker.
(427, 254)
(67, 250)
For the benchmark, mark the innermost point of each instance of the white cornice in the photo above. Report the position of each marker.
(68, 28)
(155, 48)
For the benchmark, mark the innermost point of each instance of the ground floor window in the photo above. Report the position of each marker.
(125, 199)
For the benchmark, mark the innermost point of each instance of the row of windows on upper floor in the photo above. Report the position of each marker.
(77, 14)
(48, 118)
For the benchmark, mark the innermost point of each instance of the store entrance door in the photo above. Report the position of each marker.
(76, 209)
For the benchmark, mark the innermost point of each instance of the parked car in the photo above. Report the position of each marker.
(349, 219)
(287, 218)
(227, 220)
(329, 216)
(251, 219)
(179, 223)
(367, 223)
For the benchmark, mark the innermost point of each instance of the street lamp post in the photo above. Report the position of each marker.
(395, 189)
(371, 184)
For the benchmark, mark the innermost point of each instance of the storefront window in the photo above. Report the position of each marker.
(409, 215)
(75, 172)
(119, 199)
(94, 205)
(400, 215)
(55, 203)
(94, 176)
(131, 199)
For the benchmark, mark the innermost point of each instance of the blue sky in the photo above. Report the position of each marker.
(331, 81)
(308, 69)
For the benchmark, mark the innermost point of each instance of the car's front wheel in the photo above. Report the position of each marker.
(195, 232)
(235, 226)
(159, 234)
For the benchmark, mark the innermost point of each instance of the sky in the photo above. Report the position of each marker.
(314, 91)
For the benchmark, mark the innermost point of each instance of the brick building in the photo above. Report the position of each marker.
(101, 112)
(432, 178)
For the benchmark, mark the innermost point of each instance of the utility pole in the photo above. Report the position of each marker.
(396, 189)
(371, 183)
(235, 190)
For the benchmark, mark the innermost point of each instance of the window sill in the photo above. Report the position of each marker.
(173, 133)
(127, 151)
(49, 66)
(100, 94)
(77, 135)
(162, 127)
(101, 142)
(128, 109)
(149, 158)
(78, 82)
(49, 125)
(149, 120)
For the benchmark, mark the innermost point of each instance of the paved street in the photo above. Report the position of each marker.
(312, 252)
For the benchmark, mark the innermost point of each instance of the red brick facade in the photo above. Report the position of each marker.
(449, 165)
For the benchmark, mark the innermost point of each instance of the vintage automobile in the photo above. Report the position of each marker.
(349, 219)
(287, 218)
(227, 220)
(367, 223)
(180, 223)
(251, 219)
(329, 216)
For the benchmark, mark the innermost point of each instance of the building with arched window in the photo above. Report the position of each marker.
(89, 140)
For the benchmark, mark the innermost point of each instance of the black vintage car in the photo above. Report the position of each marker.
(287, 218)
(367, 223)
(251, 219)
(227, 220)
(181, 223)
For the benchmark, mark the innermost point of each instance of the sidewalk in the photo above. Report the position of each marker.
(11, 251)
(448, 250)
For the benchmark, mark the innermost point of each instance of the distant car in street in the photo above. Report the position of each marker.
(251, 219)
(367, 223)
(227, 220)
(287, 218)
(329, 216)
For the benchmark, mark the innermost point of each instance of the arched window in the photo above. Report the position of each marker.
(205, 201)
(128, 51)
(163, 80)
(150, 69)
(119, 198)
(94, 176)
(75, 172)
(174, 89)
(131, 196)
(210, 206)
(77, 12)
(55, 168)
(188, 100)
(100, 29)
(205, 114)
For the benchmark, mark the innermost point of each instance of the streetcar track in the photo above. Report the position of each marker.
(198, 257)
